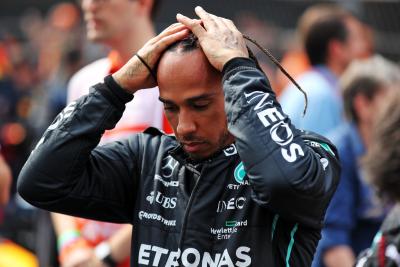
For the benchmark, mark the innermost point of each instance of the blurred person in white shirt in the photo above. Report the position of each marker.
(124, 26)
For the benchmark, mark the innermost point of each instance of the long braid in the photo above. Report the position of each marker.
(273, 59)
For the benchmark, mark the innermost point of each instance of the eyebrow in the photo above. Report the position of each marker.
(189, 100)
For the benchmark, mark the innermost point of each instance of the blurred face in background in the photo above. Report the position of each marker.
(358, 43)
(360, 38)
(107, 20)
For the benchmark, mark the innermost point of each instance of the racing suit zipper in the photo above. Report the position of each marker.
(183, 229)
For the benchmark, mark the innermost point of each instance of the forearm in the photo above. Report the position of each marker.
(65, 171)
(120, 243)
(262, 131)
(63, 223)
(285, 171)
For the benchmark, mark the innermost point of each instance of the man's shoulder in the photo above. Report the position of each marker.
(154, 141)
(312, 83)
(95, 68)
(153, 133)
(348, 141)
(341, 135)
(315, 83)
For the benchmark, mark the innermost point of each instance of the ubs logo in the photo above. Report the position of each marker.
(165, 202)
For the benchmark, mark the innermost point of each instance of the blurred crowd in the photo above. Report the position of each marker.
(331, 55)
(35, 65)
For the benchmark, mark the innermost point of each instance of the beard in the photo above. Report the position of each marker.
(224, 139)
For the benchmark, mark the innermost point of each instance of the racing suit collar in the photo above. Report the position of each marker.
(182, 157)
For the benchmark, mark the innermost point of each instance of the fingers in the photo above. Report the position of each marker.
(192, 24)
(176, 27)
(210, 20)
(168, 36)
(171, 38)
(173, 28)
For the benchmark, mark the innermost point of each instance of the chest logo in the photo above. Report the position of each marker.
(231, 150)
(165, 202)
(168, 166)
(239, 173)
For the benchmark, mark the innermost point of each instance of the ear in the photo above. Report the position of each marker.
(335, 49)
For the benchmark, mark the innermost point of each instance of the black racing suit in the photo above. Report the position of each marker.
(259, 202)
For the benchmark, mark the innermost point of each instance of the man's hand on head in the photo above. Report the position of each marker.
(135, 75)
(219, 38)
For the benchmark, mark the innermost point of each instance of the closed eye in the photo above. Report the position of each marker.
(170, 108)
(200, 106)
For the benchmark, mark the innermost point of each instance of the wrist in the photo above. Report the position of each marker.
(122, 83)
(103, 253)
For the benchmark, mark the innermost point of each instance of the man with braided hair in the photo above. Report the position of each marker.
(238, 184)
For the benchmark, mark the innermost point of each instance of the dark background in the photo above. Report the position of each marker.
(382, 16)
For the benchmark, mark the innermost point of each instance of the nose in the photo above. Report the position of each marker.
(186, 123)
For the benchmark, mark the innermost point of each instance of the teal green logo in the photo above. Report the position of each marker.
(235, 223)
(230, 223)
(327, 148)
(239, 173)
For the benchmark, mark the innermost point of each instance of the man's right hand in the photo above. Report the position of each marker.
(134, 75)
(219, 38)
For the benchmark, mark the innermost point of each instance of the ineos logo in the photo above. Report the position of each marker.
(281, 133)
(168, 166)
(271, 116)
(66, 113)
(231, 204)
(165, 202)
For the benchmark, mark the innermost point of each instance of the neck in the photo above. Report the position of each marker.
(335, 67)
(128, 45)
